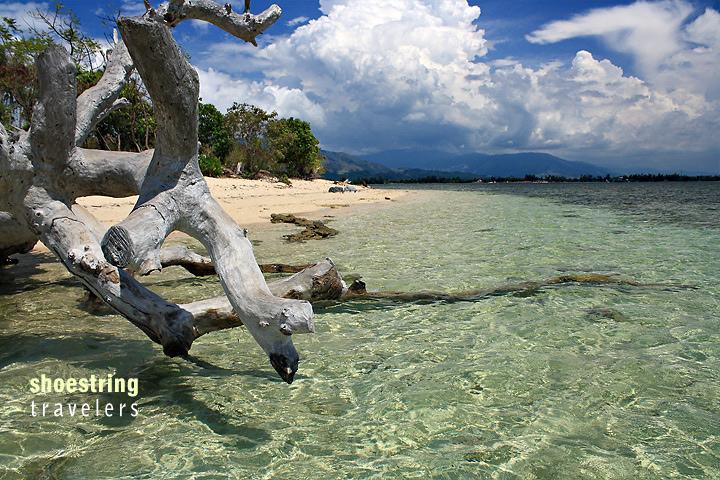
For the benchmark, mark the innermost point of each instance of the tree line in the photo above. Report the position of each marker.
(245, 140)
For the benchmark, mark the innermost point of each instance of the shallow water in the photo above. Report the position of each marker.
(570, 381)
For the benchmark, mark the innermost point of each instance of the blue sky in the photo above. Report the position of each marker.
(624, 84)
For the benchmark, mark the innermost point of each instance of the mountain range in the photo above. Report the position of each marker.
(395, 165)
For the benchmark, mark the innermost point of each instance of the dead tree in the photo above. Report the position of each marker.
(43, 172)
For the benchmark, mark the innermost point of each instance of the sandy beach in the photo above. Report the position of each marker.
(250, 202)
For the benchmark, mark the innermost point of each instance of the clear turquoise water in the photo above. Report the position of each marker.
(573, 381)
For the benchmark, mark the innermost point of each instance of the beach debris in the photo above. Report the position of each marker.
(334, 206)
(342, 189)
(342, 186)
(313, 229)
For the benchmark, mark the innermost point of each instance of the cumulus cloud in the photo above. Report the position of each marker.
(669, 52)
(383, 74)
(23, 14)
(649, 31)
(222, 91)
(591, 105)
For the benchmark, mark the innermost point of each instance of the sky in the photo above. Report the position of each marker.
(632, 85)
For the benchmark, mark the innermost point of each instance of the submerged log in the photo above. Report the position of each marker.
(358, 292)
(313, 229)
(200, 265)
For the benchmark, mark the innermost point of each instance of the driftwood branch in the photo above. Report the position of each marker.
(110, 174)
(175, 196)
(52, 131)
(46, 211)
(318, 282)
(244, 26)
(95, 103)
(43, 172)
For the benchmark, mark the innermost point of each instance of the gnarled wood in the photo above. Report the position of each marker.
(321, 281)
(50, 172)
(244, 26)
(96, 103)
(174, 195)
(45, 209)
(181, 256)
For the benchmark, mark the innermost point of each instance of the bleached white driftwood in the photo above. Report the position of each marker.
(95, 103)
(43, 172)
(175, 196)
(244, 26)
(319, 282)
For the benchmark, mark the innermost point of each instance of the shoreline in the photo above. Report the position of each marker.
(250, 202)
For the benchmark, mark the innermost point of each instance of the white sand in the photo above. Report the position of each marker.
(250, 202)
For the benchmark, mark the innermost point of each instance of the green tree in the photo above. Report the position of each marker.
(296, 148)
(18, 77)
(210, 165)
(248, 124)
(213, 132)
(63, 26)
(18, 50)
(130, 128)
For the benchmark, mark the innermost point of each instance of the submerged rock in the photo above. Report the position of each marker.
(606, 313)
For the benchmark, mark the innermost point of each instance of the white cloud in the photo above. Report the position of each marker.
(22, 13)
(592, 105)
(297, 21)
(668, 52)
(383, 74)
(200, 25)
(132, 8)
(222, 91)
(650, 31)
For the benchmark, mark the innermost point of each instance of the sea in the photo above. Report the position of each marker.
(607, 367)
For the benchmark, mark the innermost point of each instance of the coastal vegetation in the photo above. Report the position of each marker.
(245, 140)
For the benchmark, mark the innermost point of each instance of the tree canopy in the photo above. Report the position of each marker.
(298, 150)
(245, 140)
(267, 142)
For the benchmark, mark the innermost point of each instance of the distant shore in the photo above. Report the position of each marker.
(250, 202)
(634, 178)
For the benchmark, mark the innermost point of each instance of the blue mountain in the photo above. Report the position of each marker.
(483, 165)
(341, 166)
